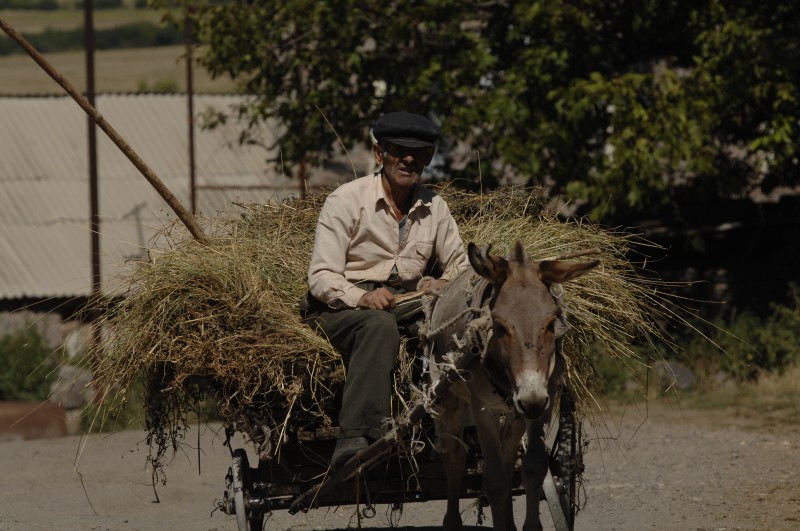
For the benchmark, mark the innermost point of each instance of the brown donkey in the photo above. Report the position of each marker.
(505, 315)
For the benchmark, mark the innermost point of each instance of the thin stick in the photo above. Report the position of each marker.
(353, 166)
(411, 295)
(137, 161)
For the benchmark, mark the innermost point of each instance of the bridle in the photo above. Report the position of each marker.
(477, 338)
(497, 375)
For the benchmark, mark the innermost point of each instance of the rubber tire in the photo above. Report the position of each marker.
(562, 479)
(554, 501)
(240, 471)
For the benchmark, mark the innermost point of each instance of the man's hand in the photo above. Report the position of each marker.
(380, 299)
(432, 284)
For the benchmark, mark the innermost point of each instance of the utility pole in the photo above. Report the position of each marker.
(94, 202)
(94, 208)
(187, 31)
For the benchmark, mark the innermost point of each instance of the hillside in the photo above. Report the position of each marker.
(144, 69)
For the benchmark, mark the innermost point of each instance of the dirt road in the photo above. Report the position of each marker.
(664, 469)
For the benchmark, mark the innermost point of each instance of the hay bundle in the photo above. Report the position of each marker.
(222, 319)
(612, 310)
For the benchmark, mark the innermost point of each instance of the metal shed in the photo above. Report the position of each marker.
(45, 258)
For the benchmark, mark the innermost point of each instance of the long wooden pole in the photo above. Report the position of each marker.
(187, 219)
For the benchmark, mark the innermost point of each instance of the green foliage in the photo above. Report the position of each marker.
(119, 413)
(750, 344)
(611, 373)
(741, 347)
(632, 106)
(161, 86)
(26, 375)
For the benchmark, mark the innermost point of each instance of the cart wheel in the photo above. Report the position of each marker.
(553, 494)
(242, 487)
(566, 466)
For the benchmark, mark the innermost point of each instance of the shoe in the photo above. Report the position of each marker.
(347, 448)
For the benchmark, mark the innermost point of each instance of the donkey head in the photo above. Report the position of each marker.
(524, 313)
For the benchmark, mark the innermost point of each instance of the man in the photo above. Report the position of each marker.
(374, 239)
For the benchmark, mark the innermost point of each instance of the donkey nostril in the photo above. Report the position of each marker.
(532, 409)
(518, 404)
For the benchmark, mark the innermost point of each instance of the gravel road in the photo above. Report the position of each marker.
(659, 468)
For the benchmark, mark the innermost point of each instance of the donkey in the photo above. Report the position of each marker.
(505, 316)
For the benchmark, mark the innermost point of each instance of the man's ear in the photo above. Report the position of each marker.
(428, 159)
(378, 152)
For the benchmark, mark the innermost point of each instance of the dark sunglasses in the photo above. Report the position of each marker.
(402, 151)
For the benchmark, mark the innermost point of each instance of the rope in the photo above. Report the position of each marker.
(451, 322)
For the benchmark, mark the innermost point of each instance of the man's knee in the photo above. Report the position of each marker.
(379, 323)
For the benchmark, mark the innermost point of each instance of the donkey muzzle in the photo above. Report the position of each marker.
(530, 397)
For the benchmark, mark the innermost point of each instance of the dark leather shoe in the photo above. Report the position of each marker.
(347, 448)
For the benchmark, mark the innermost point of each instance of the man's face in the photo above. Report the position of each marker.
(402, 165)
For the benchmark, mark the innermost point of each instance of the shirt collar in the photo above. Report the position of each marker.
(420, 195)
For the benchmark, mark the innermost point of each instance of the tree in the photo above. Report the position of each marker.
(631, 106)
(27, 366)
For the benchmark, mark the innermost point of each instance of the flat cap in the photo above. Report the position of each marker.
(406, 129)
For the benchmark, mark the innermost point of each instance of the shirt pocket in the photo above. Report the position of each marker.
(419, 257)
(423, 250)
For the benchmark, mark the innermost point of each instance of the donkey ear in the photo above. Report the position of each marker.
(492, 268)
(557, 271)
(519, 252)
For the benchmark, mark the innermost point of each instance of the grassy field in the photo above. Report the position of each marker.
(30, 21)
(116, 71)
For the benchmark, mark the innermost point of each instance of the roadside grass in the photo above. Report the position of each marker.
(773, 399)
(116, 71)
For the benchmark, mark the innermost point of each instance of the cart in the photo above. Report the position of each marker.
(399, 468)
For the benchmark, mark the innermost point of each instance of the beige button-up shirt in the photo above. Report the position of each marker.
(358, 239)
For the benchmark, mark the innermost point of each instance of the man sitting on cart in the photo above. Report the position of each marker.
(374, 239)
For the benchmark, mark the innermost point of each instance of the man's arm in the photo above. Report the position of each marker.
(326, 280)
(448, 250)
(449, 247)
(379, 299)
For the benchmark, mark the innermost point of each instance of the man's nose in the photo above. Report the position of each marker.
(410, 158)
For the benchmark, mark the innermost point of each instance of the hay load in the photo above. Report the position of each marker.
(222, 321)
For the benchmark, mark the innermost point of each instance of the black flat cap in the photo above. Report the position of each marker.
(406, 129)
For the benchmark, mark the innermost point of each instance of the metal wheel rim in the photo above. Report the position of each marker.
(240, 471)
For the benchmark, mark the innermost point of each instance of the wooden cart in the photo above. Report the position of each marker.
(399, 468)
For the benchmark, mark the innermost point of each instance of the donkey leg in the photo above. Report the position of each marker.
(496, 475)
(513, 429)
(534, 470)
(449, 430)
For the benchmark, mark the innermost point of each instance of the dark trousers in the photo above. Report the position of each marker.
(369, 342)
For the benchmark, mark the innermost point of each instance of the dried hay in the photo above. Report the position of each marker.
(222, 320)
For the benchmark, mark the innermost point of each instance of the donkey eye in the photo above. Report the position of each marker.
(500, 328)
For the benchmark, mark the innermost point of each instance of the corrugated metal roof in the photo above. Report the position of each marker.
(44, 190)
